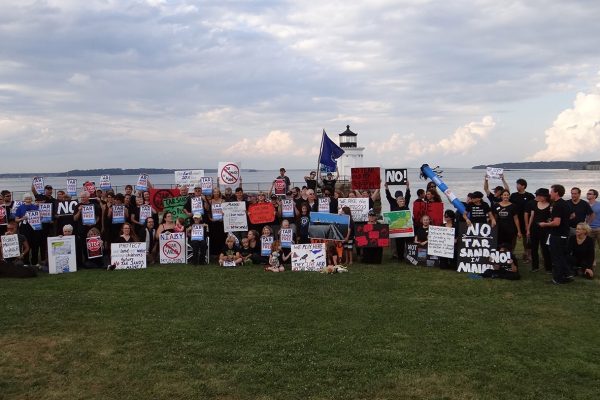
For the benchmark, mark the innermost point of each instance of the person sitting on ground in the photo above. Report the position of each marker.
(127, 234)
(230, 255)
(422, 232)
(582, 254)
(505, 267)
(11, 229)
(275, 264)
(246, 252)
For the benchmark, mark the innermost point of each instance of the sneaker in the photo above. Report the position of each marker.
(111, 267)
(568, 279)
(555, 282)
(535, 269)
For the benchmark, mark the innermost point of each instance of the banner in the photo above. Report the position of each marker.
(261, 213)
(62, 255)
(372, 235)
(286, 237)
(400, 222)
(279, 187)
(88, 214)
(359, 207)
(217, 211)
(396, 176)
(197, 232)
(142, 183)
(105, 182)
(158, 195)
(324, 204)
(94, 247)
(66, 207)
(45, 212)
(172, 248)
(145, 213)
(189, 177)
(10, 246)
(38, 184)
(365, 178)
(118, 214)
(308, 257)
(34, 219)
(72, 187)
(476, 244)
(328, 226)
(287, 208)
(206, 183)
(440, 241)
(175, 206)
(494, 173)
(128, 255)
(266, 242)
(234, 217)
(229, 173)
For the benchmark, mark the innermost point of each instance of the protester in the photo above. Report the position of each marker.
(127, 234)
(539, 212)
(582, 254)
(230, 255)
(275, 264)
(11, 229)
(349, 239)
(199, 246)
(508, 270)
(592, 197)
(507, 220)
(495, 197)
(580, 210)
(303, 223)
(167, 225)
(478, 211)
(254, 245)
(422, 232)
(520, 198)
(33, 236)
(372, 255)
(311, 180)
(285, 178)
(150, 238)
(332, 255)
(449, 222)
(329, 181)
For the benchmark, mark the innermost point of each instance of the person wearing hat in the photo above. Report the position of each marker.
(536, 235)
(329, 180)
(311, 180)
(283, 176)
(199, 247)
(496, 196)
(478, 211)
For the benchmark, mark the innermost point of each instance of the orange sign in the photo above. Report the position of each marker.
(261, 213)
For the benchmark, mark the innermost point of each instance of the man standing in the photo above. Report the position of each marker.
(520, 199)
(285, 178)
(559, 235)
(580, 210)
(592, 196)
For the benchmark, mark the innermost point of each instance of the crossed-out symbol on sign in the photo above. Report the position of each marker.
(172, 249)
(230, 173)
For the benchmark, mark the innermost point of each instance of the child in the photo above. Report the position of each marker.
(274, 258)
(230, 255)
(332, 254)
(286, 252)
(422, 232)
(266, 243)
(246, 252)
(180, 225)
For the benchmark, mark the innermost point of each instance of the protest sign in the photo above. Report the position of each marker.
(266, 243)
(175, 206)
(128, 255)
(172, 248)
(372, 235)
(45, 212)
(38, 184)
(197, 205)
(359, 207)
(440, 241)
(476, 244)
(158, 195)
(142, 183)
(328, 226)
(62, 255)
(229, 173)
(145, 213)
(94, 247)
(197, 232)
(118, 214)
(206, 183)
(494, 173)
(287, 208)
(400, 223)
(279, 187)
(72, 187)
(90, 187)
(13, 210)
(308, 257)
(66, 207)
(286, 237)
(88, 214)
(261, 213)
(3, 215)
(189, 177)
(10, 246)
(105, 182)
(396, 176)
(34, 219)
(415, 254)
(365, 178)
(324, 204)
(234, 217)
(217, 211)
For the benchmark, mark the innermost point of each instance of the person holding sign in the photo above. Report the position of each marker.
(495, 197)
(372, 255)
(275, 264)
(196, 234)
(14, 251)
(230, 255)
(329, 181)
(118, 214)
(478, 211)
(167, 225)
(285, 178)
(25, 228)
(217, 231)
(504, 265)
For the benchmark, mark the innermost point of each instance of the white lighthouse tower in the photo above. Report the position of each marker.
(353, 155)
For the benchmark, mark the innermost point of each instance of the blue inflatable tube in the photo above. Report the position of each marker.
(428, 172)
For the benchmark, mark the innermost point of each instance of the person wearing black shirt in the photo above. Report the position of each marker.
(495, 197)
(329, 181)
(580, 210)
(559, 234)
(311, 180)
(478, 211)
(582, 254)
(285, 178)
(539, 212)
(520, 198)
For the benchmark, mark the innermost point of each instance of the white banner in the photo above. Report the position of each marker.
(189, 177)
(234, 216)
(10, 246)
(62, 256)
(359, 207)
(440, 241)
(308, 257)
(172, 247)
(72, 187)
(128, 255)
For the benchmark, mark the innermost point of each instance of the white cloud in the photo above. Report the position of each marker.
(274, 143)
(575, 132)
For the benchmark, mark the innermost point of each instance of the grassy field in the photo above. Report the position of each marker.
(379, 332)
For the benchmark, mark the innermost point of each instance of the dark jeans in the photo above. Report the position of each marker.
(538, 239)
(198, 252)
(558, 252)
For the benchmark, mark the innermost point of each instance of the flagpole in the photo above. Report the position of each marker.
(319, 159)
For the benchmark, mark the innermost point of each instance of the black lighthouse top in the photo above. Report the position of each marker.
(348, 138)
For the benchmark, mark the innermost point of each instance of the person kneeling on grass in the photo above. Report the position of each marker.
(230, 255)
(275, 258)
(582, 255)
(505, 266)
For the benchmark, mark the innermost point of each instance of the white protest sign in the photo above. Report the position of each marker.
(88, 214)
(206, 184)
(45, 212)
(142, 183)
(266, 243)
(234, 216)
(34, 219)
(440, 241)
(145, 213)
(229, 173)
(308, 257)
(62, 254)
(359, 207)
(324, 204)
(172, 247)
(72, 187)
(38, 184)
(128, 255)
(494, 173)
(188, 177)
(10, 246)
(287, 208)
(105, 182)
(197, 232)
(286, 237)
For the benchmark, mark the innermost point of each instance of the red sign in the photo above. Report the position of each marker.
(90, 187)
(3, 219)
(365, 178)
(157, 196)
(94, 247)
(279, 187)
(372, 235)
(436, 213)
(261, 213)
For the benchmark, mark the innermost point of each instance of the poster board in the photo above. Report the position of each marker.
(261, 213)
(157, 197)
(234, 216)
(128, 255)
(172, 248)
(477, 242)
(359, 207)
(494, 173)
(308, 257)
(175, 206)
(94, 247)
(188, 177)
(229, 173)
(400, 223)
(372, 235)
(10, 246)
(71, 187)
(396, 176)
(440, 241)
(365, 178)
(62, 256)
(328, 226)
(279, 187)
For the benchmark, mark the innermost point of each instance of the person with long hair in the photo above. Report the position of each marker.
(507, 220)
(127, 234)
(539, 212)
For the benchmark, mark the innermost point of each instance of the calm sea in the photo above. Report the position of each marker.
(460, 180)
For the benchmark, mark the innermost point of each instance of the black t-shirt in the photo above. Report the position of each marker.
(560, 209)
(230, 251)
(584, 253)
(520, 200)
(422, 234)
(478, 212)
(582, 209)
(311, 183)
(505, 217)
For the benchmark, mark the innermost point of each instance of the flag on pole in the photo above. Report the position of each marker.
(329, 153)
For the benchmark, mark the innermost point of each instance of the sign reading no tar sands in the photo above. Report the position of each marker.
(365, 178)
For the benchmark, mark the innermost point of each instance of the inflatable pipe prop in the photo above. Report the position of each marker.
(429, 173)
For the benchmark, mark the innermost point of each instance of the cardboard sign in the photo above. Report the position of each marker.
(128, 255)
(94, 247)
(503, 259)
(359, 207)
(440, 241)
(217, 211)
(118, 214)
(158, 195)
(34, 219)
(197, 232)
(279, 187)
(372, 235)
(324, 204)
(206, 183)
(189, 177)
(62, 255)
(142, 183)
(494, 173)
(45, 212)
(396, 176)
(415, 254)
(38, 184)
(10, 246)
(88, 214)
(229, 173)
(286, 237)
(234, 217)
(308, 257)
(477, 242)
(3, 216)
(400, 223)
(328, 226)
(105, 182)
(66, 207)
(175, 206)
(261, 213)
(197, 205)
(266, 243)
(72, 187)
(172, 248)
(145, 213)
(365, 178)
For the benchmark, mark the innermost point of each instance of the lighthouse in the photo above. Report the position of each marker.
(353, 155)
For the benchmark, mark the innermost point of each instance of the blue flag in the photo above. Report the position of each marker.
(330, 152)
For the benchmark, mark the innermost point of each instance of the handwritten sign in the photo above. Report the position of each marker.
(189, 177)
(172, 248)
(365, 178)
(396, 176)
(261, 213)
(234, 217)
(128, 255)
(72, 187)
(494, 173)
(308, 257)
(477, 242)
(62, 255)
(440, 241)
(359, 207)
(10, 246)
(105, 182)
(175, 206)
(400, 223)
(229, 173)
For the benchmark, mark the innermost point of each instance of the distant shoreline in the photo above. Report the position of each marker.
(107, 171)
(569, 165)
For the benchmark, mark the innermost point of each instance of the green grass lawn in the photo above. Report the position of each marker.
(379, 332)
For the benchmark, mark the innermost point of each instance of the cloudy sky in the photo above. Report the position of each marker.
(186, 84)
